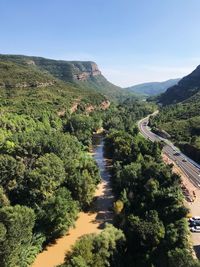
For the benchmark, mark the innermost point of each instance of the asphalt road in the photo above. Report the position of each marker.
(187, 165)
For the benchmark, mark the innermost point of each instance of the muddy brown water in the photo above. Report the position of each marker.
(87, 222)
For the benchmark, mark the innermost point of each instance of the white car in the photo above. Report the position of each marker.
(195, 218)
(195, 229)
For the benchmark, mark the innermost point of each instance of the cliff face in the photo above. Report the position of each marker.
(91, 70)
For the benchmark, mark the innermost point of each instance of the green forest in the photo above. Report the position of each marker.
(179, 110)
(48, 176)
(150, 222)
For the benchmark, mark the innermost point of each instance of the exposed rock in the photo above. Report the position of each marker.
(105, 104)
(90, 108)
(30, 62)
(75, 105)
(61, 113)
(91, 71)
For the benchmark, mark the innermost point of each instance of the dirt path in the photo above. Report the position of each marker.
(90, 222)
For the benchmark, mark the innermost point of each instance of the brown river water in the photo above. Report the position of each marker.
(87, 222)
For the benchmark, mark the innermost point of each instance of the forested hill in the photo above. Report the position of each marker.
(186, 87)
(152, 88)
(83, 75)
(180, 114)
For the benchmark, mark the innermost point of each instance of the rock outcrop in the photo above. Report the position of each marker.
(91, 71)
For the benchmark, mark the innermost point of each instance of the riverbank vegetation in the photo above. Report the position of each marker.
(149, 202)
(97, 250)
(47, 176)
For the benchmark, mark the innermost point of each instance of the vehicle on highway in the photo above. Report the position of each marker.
(177, 154)
(194, 223)
(195, 229)
(184, 160)
(195, 218)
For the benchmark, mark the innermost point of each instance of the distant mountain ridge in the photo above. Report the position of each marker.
(152, 88)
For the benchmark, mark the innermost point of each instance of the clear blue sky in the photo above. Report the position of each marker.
(132, 41)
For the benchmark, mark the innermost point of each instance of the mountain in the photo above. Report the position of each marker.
(180, 114)
(84, 75)
(186, 87)
(152, 88)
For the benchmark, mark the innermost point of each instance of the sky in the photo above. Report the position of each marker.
(132, 41)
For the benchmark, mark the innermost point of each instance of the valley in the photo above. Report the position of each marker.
(65, 205)
(100, 133)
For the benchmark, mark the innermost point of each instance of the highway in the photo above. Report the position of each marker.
(190, 168)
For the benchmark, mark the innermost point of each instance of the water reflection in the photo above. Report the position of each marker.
(104, 202)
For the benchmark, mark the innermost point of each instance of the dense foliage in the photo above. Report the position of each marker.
(47, 175)
(182, 122)
(47, 170)
(124, 116)
(179, 114)
(149, 203)
(97, 250)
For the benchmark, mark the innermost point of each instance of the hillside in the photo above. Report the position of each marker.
(152, 88)
(23, 88)
(180, 116)
(84, 75)
(186, 87)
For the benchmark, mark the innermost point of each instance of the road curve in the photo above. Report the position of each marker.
(190, 168)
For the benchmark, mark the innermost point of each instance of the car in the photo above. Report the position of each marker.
(177, 154)
(194, 219)
(194, 223)
(195, 229)
(184, 160)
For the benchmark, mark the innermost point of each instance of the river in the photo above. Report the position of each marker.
(88, 222)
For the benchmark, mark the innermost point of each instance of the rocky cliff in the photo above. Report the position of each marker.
(83, 75)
